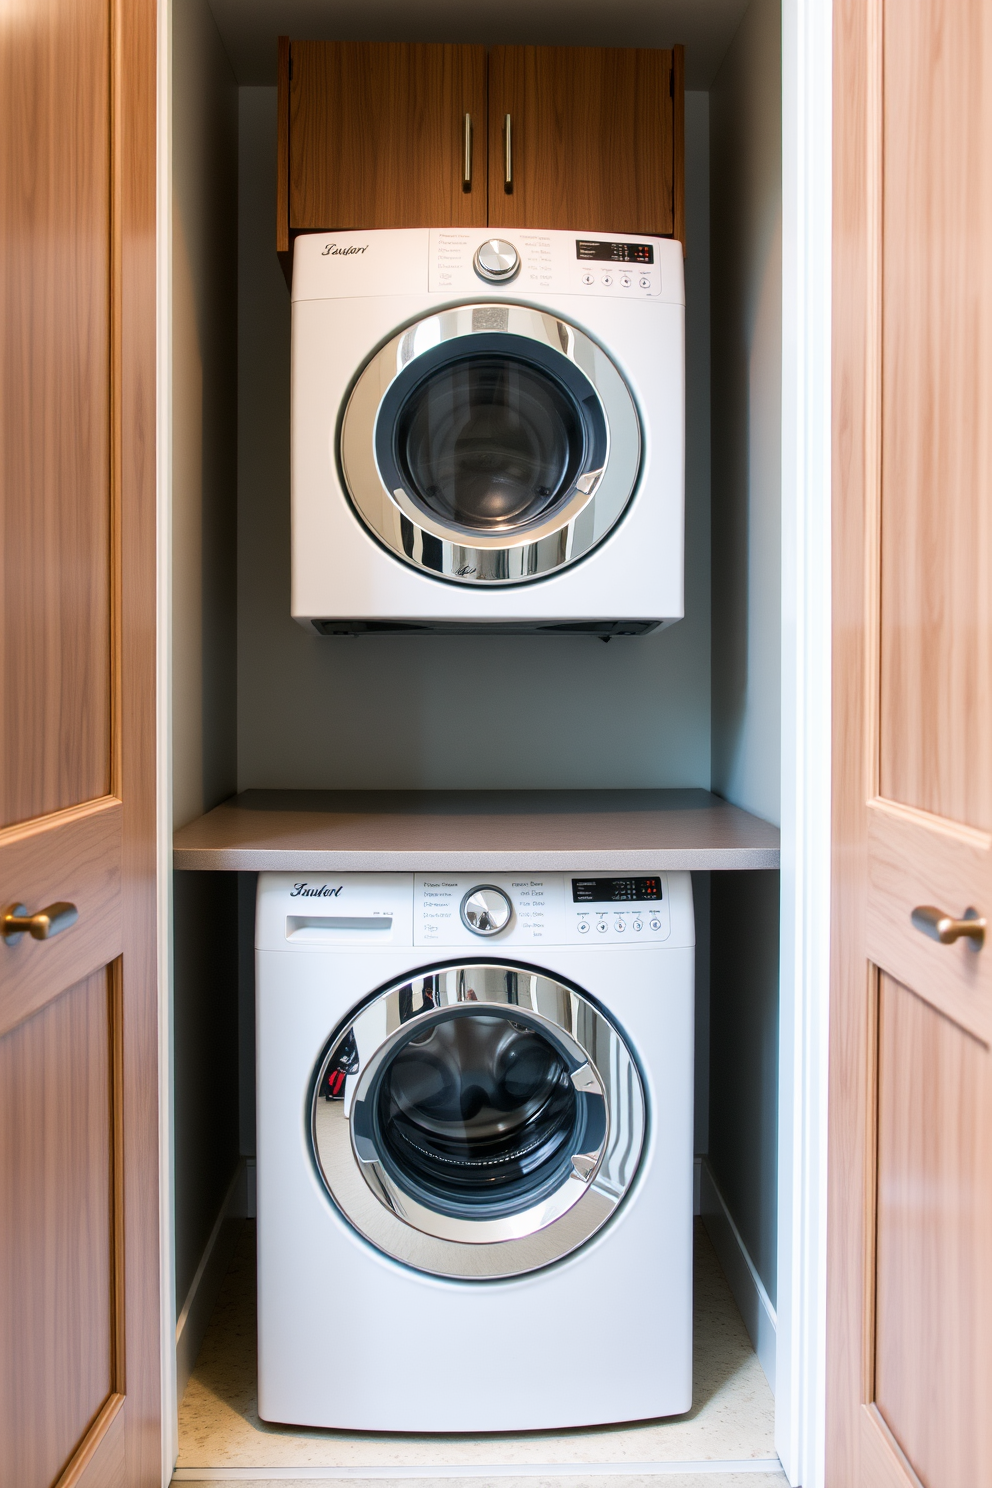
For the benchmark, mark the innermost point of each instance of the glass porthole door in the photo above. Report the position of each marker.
(478, 1121)
(490, 444)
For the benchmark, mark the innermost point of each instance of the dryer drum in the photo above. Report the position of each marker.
(490, 444)
(486, 1120)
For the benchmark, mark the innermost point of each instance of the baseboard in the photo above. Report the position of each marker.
(746, 1285)
(194, 1315)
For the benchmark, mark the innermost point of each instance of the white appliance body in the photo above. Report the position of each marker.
(353, 1338)
(368, 310)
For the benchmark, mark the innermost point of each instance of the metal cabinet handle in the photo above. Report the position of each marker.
(15, 921)
(508, 154)
(467, 169)
(940, 926)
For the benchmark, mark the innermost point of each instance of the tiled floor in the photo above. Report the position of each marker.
(727, 1438)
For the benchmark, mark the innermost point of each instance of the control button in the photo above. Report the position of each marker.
(619, 925)
(644, 282)
(602, 927)
(486, 910)
(496, 260)
(588, 278)
(607, 279)
(655, 924)
(626, 280)
(638, 924)
(583, 927)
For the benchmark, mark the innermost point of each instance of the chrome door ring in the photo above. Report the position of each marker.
(573, 526)
(382, 1209)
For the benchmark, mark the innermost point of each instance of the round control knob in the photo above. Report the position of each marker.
(496, 260)
(486, 910)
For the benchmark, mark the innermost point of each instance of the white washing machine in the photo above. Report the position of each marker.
(488, 433)
(474, 1149)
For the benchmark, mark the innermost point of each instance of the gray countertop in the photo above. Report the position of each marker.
(435, 831)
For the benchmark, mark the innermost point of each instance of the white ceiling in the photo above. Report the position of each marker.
(250, 27)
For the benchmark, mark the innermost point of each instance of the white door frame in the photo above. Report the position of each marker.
(807, 45)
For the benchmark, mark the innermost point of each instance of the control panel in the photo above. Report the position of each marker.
(463, 260)
(556, 909)
(477, 911)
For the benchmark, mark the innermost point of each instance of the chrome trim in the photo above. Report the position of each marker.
(461, 555)
(443, 1244)
(496, 260)
(485, 910)
(467, 163)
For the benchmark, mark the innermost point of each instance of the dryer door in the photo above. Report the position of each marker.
(490, 444)
(478, 1120)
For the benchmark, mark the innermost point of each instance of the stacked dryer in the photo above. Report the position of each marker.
(487, 434)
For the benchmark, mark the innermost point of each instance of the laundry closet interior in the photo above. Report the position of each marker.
(261, 704)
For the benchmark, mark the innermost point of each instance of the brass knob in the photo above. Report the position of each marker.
(940, 926)
(15, 921)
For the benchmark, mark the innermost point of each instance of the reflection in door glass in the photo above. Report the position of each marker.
(477, 1109)
(489, 443)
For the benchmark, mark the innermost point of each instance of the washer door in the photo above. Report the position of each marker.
(478, 1121)
(490, 444)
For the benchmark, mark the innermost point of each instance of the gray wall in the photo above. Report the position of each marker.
(746, 299)
(746, 218)
(204, 636)
(449, 711)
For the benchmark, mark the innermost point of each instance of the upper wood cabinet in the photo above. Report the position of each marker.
(395, 134)
(376, 135)
(595, 139)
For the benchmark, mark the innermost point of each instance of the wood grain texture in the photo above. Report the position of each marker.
(55, 497)
(915, 858)
(899, 1081)
(883, 1461)
(850, 1130)
(376, 131)
(75, 856)
(593, 139)
(936, 662)
(383, 831)
(56, 1187)
(678, 145)
(100, 1457)
(135, 432)
(282, 148)
(933, 1351)
(78, 200)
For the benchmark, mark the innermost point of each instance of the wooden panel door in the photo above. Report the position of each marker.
(910, 1220)
(595, 139)
(79, 1211)
(375, 135)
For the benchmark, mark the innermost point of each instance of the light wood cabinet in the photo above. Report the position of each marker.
(389, 134)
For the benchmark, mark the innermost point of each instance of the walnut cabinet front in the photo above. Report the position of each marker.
(391, 134)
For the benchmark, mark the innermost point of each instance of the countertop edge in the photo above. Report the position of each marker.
(313, 860)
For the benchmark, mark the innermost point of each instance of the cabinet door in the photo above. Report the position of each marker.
(909, 1299)
(80, 1334)
(376, 135)
(595, 139)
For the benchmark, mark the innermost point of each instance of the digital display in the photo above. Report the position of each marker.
(632, 253)
(615, 890)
